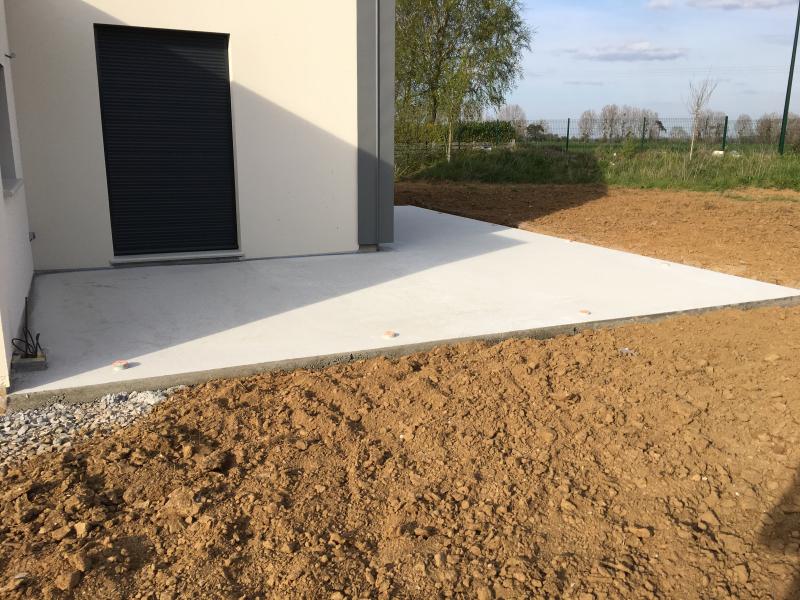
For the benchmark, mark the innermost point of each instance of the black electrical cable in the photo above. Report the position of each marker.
(28, 345)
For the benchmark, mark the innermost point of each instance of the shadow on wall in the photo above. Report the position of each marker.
(781, 535)
(16, 272)
(110, 312)
(290, 170)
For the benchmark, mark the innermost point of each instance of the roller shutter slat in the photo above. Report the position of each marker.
(166, 108)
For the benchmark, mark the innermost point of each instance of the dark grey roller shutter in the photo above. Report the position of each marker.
(166, 109)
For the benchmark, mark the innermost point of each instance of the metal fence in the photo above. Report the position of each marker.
(711, 132)
(425, 144)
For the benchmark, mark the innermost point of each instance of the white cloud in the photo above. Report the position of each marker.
(632, 52)
(660, 4)
(740, 4)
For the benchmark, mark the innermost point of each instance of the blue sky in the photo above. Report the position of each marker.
(587, 53)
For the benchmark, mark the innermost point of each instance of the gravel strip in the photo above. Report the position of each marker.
(55, 427)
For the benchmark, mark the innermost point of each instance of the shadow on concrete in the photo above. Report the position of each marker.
(781, 534)
(89, 319)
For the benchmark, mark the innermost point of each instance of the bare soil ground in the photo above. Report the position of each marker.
(751, 233)
(649, 461)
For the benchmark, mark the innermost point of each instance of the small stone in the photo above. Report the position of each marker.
(772, 357)
(741, 573)
(483, 593)
(60, 533)
(288, 548)
(301, 445)
(335, 538)
(709, 518)
(16, 582)
(732, 543)
(181, 502)
(68, 581)
(81, 529)
(420, 532)
(548, 435)
(81, 561)
(641, 532)
(567, 506)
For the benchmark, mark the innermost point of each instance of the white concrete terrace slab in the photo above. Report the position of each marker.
(445, 278)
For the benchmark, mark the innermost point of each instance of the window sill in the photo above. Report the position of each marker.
(11, 187)
(121, 261)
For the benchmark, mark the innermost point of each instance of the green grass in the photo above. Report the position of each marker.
(515, 166)
(628, 166)
(737, 195)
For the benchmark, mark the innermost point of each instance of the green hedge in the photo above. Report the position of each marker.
(497, 132)
(494, 132)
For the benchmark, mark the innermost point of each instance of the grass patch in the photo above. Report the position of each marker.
(746, 197)
(628, 167)
(674, 170)
(540, 165)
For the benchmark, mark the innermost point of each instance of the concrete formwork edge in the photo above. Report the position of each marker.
(77, 395)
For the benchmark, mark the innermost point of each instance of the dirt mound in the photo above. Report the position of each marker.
(750, 233)
(650, 461)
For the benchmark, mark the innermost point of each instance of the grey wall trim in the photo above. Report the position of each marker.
(386, 103)
(376, 22)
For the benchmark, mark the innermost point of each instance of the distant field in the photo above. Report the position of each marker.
(623, 165)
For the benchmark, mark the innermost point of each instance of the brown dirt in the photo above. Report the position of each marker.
(751, 233)
(648, 461)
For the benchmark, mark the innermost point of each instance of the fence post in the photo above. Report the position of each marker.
(568, 124)
(785, 122)
(644, 130)
(725, 135)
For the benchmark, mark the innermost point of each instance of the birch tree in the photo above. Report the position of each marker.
(457, 55)
(587, 124)
(699, 97)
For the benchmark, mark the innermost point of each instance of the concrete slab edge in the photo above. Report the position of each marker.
(18, 401)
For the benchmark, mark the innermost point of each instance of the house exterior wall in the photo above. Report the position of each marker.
(16, 263)
(294, 70)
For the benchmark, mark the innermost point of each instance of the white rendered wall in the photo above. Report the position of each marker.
(294, 95)
(16, 264)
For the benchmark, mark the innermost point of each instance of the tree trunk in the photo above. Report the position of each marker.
(449, 139)
(694, 135)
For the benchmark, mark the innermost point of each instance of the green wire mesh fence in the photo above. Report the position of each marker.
(427, 143)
